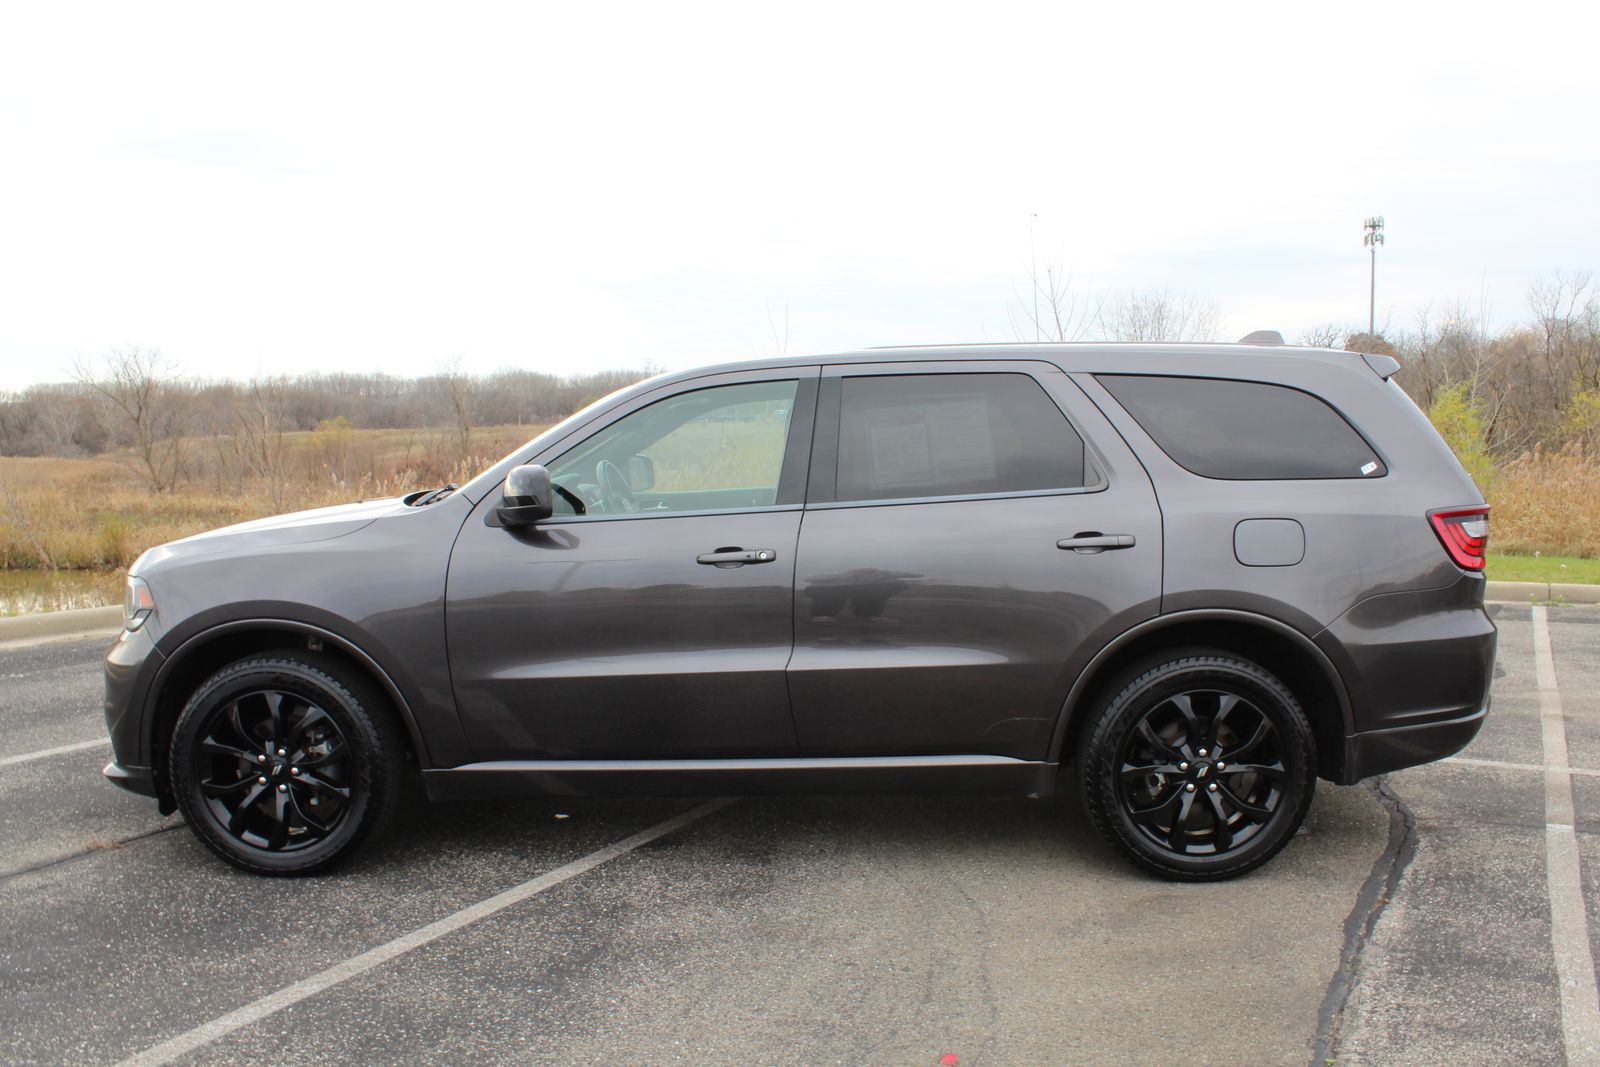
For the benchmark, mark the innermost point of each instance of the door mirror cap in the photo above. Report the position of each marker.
(641, 473)
(525, 498)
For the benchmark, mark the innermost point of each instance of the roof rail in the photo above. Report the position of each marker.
(1262, 337)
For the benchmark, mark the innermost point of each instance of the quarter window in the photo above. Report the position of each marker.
(928, 435)
(1220, 428)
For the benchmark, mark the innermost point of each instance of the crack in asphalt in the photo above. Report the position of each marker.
(91, 850)
(1376, 892)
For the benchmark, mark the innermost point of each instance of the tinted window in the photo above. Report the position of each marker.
(920, 435)
(710, 449)
(1244, 430)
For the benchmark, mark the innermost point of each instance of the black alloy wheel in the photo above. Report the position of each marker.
(284, 764)
(1202, 766)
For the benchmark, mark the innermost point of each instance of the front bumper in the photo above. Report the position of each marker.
(140, 780)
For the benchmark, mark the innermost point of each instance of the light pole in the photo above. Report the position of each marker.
(1372, 239)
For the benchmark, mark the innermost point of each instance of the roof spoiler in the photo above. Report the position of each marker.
(1262, 337)
(1382, 366)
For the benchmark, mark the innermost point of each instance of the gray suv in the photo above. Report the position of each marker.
(1204, 575)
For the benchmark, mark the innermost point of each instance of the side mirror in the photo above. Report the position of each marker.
(526, 496)
(641, 473)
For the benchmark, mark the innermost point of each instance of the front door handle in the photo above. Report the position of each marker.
(1090, 542)
(736, 557)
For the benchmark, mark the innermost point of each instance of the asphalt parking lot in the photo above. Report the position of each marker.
(1445, 914)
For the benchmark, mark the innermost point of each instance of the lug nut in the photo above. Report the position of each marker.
(1221, 766)
(262, 780)
(294, 770)
(1212, 788)
(1189, 788)
(281, 752)
(1183, 766)
(282, 788)
(261, 759)
(1202, 752)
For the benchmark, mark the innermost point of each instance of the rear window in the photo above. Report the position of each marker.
(926, 435)
(1218, 428)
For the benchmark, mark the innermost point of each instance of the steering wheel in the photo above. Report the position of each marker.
(615, 491)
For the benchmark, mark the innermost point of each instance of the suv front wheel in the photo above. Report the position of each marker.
(1200, 766)
(284, 763)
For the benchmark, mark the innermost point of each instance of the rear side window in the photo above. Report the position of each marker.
(924, 435)
(1219, 428)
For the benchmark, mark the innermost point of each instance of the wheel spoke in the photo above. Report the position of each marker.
(314, 716)
(1253, 812)
(1226, 704)
(1135, 770)
(1156, 810)
(333, 754)
(1185, 705)
(1152, 739)
(319, 782)
(1177, 837)
(1223, 833)
(306, 817)
(1262, 731)
(1273, 770)
(212, 747)
(242, 812)
(275, 709)
(279, 834)
(238, 724)
(224, 789)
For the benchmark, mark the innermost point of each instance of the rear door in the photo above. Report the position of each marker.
(973, 533)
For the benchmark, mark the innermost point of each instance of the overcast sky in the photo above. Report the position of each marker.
(287, 187)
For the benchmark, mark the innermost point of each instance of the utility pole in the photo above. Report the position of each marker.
(1372, 239)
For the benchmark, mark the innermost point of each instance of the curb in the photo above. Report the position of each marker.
(79, 622)
(1522, 592)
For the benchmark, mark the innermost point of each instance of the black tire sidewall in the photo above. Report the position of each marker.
(373, 780)
(1100, 754)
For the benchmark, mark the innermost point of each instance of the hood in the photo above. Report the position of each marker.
(299, 527)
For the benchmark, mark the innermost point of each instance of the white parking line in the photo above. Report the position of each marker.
(59, 750)
(1569, 925)
(292, 994)
(1469, 761)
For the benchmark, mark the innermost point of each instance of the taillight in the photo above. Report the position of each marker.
(1464, 532)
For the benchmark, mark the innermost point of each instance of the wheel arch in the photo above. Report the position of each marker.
(202, 654)
(1275, 645)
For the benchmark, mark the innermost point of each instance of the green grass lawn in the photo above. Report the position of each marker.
(1503, 568)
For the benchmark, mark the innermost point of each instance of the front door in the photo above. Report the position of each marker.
(652, 616)
(963, 552)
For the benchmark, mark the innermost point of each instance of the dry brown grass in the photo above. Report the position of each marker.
(95, 514)
(1547, 502)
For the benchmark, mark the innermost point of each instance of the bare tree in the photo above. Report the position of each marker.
(22, 524)
(1051, 307)
(1328, 335)
(1160, 316)
(135, 385)
(262, 413)
(460, 387)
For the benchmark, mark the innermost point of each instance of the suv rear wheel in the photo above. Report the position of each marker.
(284, 763)
(1200, 766)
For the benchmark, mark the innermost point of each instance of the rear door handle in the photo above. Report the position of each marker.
(1090, 543)
(736, 557)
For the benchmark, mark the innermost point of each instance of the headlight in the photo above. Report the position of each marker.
(138, 604)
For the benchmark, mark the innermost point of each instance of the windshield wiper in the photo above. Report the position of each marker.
(433, 496)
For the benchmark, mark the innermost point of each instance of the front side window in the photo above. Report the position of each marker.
(1250, 431)
(931, 435)
(707, 450)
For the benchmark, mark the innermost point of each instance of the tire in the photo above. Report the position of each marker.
(285, 763)
(1183, 815)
